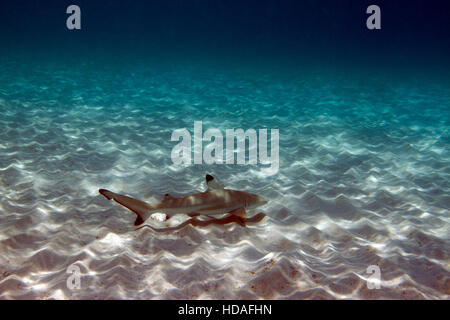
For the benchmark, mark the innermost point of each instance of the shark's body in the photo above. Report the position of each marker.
(215, 200)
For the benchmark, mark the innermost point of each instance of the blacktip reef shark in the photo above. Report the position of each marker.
(214, 201)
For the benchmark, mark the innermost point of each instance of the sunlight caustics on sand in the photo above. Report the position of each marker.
(363, 180)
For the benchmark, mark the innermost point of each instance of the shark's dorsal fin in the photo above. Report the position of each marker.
(212, 183)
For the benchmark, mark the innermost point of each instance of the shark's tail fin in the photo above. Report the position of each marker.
(140, 208)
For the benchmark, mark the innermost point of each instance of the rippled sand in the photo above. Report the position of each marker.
(363, 180)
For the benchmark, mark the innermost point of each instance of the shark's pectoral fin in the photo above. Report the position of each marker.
(140, 208)
(239, 212)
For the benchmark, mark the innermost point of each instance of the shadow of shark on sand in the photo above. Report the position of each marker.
(213, 221)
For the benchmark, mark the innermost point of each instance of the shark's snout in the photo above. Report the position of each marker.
(263, 200)
(254, 201)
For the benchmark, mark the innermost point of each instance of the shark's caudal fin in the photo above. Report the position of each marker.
(142, 209)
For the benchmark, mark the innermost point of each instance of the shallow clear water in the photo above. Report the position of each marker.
(363, 180)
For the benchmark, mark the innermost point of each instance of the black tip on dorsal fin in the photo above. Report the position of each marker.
(167, 196)
(212, 183)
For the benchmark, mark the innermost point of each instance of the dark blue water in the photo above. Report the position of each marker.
(304, 31)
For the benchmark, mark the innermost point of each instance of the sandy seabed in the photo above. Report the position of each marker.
(363, 181)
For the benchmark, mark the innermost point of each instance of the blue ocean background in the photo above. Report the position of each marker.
(363, 117)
